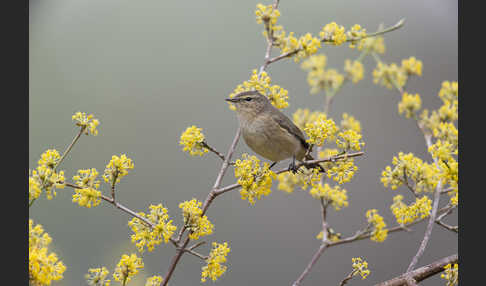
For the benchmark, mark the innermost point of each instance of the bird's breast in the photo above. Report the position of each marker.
(267, 139)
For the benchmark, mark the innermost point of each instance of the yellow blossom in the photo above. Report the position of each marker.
(117, 168)
(349, 122)
(342, 170)
(193, 141)
(44, 267)
(333, 33)
(47, 179)
(408, 214)
(255, 180)
(35, 187)
(87, 195)
(214, 269)
(412, 66)
(324, 80)
(320, 130)
(303, 116)
(449, 91)
(389, 75)
(50, 158)
(145, 235)
(154, 281)
(448, 111)
(127, 268)
(87, 122)
(379, 231)
(447, 131)
(407, 169)
(355, 70)
(331, 235)
(335, 196)
(451, 274)
(199, 225)
(442, 150)
(349, 140)
(356, 32)
(314, 62)
(360, 267)
(266, 14)
(305, 177)
(277, 95)
(410, 104)
(372, 45)
(97, 277)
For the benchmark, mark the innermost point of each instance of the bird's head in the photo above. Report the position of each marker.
(249, 103)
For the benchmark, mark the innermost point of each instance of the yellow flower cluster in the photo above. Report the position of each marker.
(144, 235)
(320, 130)
(192, 139)
(319, 78)
(305, 177)
(447, 132)
(451, 274)
(342, 171)
(332, 235)
(379, 231)
(266, 14)
(301, 47)
(372, 45)
(389, 75)
(44, 267)
(255, 180)
(335, 196)
(355, 70)
(49, 158)
(97, 277)
(349, 140)
(155, 280)
(303, 116)
(449, 91)
(356, 32)
(35, 187)
(333, 33)
(214, 269)
(87, 122)
(443, 150)
(410, 104)
(408, 214)
(360, 267)
(117, 168)
(349, 122)
(87, 195)
(199, 225)
(277, 95)
(127, 268)
(45, 177)
(412, 66)
(407, 168)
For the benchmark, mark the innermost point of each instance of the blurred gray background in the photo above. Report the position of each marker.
(149, 69)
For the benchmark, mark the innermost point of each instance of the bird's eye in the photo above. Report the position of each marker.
(248, 98)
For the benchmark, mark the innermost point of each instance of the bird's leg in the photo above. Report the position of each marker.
(292, 166)
(273, 164)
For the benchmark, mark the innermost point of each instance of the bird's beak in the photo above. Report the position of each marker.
(231, 99)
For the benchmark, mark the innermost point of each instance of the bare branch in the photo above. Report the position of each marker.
(421, 273)
(205, 145)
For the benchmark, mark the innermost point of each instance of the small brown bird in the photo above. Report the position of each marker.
(267, 131)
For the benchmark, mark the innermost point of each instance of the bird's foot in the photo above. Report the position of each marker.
(293, 167)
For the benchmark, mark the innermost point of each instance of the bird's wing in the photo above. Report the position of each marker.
(287, 124)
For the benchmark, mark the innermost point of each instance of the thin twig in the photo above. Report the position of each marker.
(422, 273)
(70, 147)
(205, 145)
(197, 254)
(347, 278)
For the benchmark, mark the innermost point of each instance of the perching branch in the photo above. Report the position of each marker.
(422, 273)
